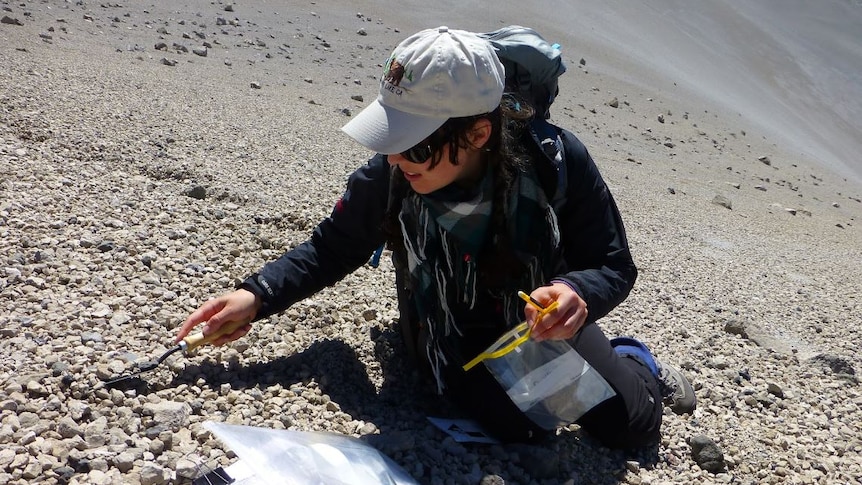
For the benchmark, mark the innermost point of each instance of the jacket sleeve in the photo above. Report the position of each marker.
(598, 262)
(339, 245)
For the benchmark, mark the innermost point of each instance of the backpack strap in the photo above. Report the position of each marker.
(375, 257)
(553, 174)
(397, 192)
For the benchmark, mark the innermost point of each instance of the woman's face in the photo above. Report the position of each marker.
(424, 179)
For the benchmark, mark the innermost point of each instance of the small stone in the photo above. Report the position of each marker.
(64, 473)
(735, 327)
(367, 428)
(19, 461)
(173, 415)
(834, 363)
(168, 62)
(188, 467)
(106, 246)
(90, 337)
(28, 438)
(32, 470)
(614, 103)
(11, 21)
(255, 85)
(707, 454)
(362, 32)
(722, 201)
(35, 388)
(775, 390)
(96, 432)
(79, 410)
(765, 160)
(124, 461)
(197, 191)
(68, 428)
(152, 474)
(492, 480)
(200, 51)
(369, 314)
(119, 319)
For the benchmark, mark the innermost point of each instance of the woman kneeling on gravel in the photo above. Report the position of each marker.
(455, 190)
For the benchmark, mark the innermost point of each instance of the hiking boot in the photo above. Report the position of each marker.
(675, 389)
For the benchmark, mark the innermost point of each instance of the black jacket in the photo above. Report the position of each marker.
(598, 263)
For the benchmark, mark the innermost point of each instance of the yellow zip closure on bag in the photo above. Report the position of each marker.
(523, 327)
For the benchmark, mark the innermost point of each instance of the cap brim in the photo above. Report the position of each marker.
(387, 130)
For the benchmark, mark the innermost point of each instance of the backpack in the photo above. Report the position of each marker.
(532, 68)
(532, 65)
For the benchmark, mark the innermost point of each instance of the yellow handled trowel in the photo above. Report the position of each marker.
(186, 345)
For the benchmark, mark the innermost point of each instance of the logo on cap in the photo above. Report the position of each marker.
(393, 74)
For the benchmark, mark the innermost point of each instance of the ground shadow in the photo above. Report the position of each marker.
(399, 410)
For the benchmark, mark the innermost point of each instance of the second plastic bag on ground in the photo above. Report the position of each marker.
(549, 381)
(285, 456)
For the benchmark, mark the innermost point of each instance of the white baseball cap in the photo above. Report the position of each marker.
(431, 76)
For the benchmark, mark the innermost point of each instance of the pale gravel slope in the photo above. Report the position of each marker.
(99, 142)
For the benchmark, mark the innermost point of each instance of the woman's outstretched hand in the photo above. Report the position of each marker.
(562, 323)
(241, 305)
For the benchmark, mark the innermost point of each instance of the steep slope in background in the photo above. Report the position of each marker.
(789, 68)
(792, 69)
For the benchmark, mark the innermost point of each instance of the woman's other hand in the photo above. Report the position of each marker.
(561, 323)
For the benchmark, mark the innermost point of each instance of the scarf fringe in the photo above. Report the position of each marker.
(437, 359)
(553, 225)
(427, 240)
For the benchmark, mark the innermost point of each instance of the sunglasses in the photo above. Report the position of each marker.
(420, 153)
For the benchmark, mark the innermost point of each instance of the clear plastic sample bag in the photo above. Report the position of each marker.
(290, 457)
(549, 381)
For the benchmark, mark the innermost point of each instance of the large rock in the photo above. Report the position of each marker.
(96, 433)
(67, 427)
(707, 454)
(153, 474)
(168, 414)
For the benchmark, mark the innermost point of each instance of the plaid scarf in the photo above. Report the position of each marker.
(443, 233)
